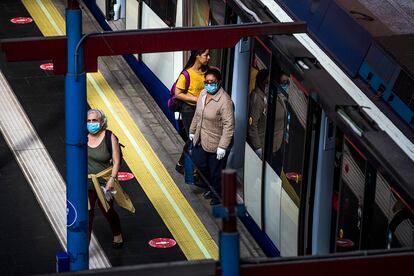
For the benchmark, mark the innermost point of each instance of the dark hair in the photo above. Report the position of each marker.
(213, 71)
(261, 77)
(192, 59)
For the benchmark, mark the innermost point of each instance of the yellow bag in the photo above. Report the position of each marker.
(121, 197)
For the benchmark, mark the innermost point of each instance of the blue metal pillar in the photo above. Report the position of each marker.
(229, 253)
(229, 239)
(76, 151)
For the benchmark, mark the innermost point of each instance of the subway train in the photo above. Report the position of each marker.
(371, 40)
(341, 176)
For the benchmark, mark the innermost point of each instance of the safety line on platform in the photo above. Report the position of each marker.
(39, 170)
(191, 235)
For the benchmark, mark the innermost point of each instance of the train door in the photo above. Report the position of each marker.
(392, 221)
(367, 212)
(275, 155)
(349, 198)
(255, 117)
(323, 189)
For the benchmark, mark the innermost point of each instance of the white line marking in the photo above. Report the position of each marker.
(39, 170)
(49, 17)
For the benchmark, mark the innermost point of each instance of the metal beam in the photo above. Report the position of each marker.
(37, 48)
(141, 41)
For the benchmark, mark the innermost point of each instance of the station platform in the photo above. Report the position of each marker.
(32, 149)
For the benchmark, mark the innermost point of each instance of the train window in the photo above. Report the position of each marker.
(351, 196)
(293, 147)
(392, 220)
(205, 13)
(254, 148)
(217, 12)
(200, 13)
(258, 99)
(208, 12)
(381, 214)
(165, 9)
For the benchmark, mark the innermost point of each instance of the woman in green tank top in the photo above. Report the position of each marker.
(99, 158)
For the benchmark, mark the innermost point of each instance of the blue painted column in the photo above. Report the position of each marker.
(229, 239)
(76, 150)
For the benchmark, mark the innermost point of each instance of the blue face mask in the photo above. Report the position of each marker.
(211, 87)
(285, 86)
(93, 127)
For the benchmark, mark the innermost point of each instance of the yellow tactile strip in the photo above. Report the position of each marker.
(190, 234)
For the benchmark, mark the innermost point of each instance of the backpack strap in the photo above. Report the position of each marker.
(108, 141)
(187, 80)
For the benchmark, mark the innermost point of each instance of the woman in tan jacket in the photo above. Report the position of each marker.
(212, 131)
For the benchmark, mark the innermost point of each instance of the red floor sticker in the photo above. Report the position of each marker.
(21, 20)
(124, 176)
(344, 243)
(162, 243)
(47, 66)
(294, 176)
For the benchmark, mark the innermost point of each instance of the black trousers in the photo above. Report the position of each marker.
(209, 166)
(187, 114)
(111, 216)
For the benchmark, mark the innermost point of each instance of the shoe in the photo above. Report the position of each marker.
(179, 168)
(215, 201)
(208, 195)
(117, 245)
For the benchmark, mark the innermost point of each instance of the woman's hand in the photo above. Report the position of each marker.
(110, 183)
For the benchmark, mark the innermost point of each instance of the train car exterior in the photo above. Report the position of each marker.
(338, 180)
(356, 33)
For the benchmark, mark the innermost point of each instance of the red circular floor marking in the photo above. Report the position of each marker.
(124, 176)
(47, 66)
(21, 20)
(294, 176)
(162, 243)
(344, 243)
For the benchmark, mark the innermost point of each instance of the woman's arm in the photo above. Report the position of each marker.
(227, 117)
(196, 118)
(116, 161)
(181, 95)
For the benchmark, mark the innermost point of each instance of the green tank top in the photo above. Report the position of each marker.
(98, 160)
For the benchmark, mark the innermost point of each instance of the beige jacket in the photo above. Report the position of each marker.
(213, 123)
(257, 120)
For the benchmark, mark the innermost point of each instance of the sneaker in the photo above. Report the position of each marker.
(208, 195)
(179, 168)
(215, 201)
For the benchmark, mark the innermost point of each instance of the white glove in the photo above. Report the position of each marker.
(191, 136)
(220, 153)
(259, 152)
(109, 194)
